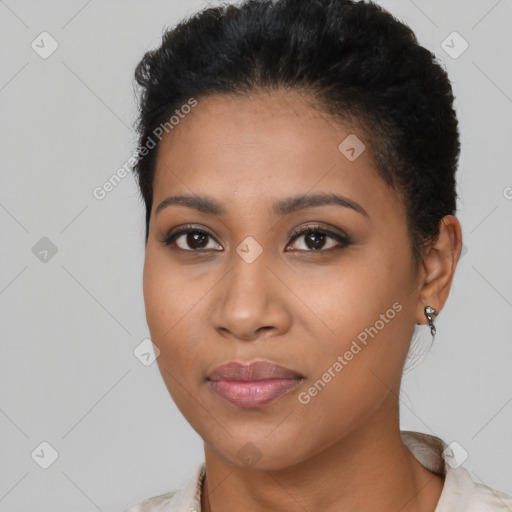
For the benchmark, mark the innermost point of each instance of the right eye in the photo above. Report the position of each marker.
(189, 238)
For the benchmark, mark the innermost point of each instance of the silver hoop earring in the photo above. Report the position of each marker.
(431, 313)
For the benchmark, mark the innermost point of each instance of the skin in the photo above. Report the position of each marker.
(294, 305)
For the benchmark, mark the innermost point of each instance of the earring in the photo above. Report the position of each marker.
(431, 313)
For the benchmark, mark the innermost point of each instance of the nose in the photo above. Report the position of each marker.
(250, 301)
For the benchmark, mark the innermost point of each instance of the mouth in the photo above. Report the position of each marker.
(252, 385)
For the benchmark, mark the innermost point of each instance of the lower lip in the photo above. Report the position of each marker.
(253, 393)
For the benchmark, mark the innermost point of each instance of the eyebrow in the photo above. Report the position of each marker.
(282, 207)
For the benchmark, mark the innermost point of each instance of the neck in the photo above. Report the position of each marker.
(368, 470)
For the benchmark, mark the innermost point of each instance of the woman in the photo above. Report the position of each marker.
(297, 161)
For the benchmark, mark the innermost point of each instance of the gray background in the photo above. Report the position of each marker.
(70, 323)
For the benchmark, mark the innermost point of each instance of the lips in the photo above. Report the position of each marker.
(252, 385)
(259, 370)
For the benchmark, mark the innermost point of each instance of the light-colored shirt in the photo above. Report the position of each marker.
(460, 493)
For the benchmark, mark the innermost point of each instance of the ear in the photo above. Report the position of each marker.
(439, 263)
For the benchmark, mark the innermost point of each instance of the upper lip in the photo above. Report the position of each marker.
(257, 370)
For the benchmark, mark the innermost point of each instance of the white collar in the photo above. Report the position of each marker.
(460, 493)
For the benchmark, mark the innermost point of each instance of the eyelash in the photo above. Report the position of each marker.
(343, 240)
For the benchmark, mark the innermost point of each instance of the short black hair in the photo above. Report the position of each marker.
(356, 62)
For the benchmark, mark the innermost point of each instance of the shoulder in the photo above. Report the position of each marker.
(184, 499)
(460, 492)
(159, 503)
(487, 499)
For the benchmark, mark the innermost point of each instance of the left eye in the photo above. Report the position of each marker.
(315, 239)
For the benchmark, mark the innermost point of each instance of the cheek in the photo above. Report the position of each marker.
(170, 318)
(170, 315)
(359, 366)
(366, 316)
(168, 295)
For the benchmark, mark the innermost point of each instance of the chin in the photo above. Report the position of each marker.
(256, 452)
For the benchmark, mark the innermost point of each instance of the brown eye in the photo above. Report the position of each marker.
(316, 239)
(190, 239)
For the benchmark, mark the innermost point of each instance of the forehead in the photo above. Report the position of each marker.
(254, 147)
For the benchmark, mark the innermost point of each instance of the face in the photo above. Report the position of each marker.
(336, 305)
